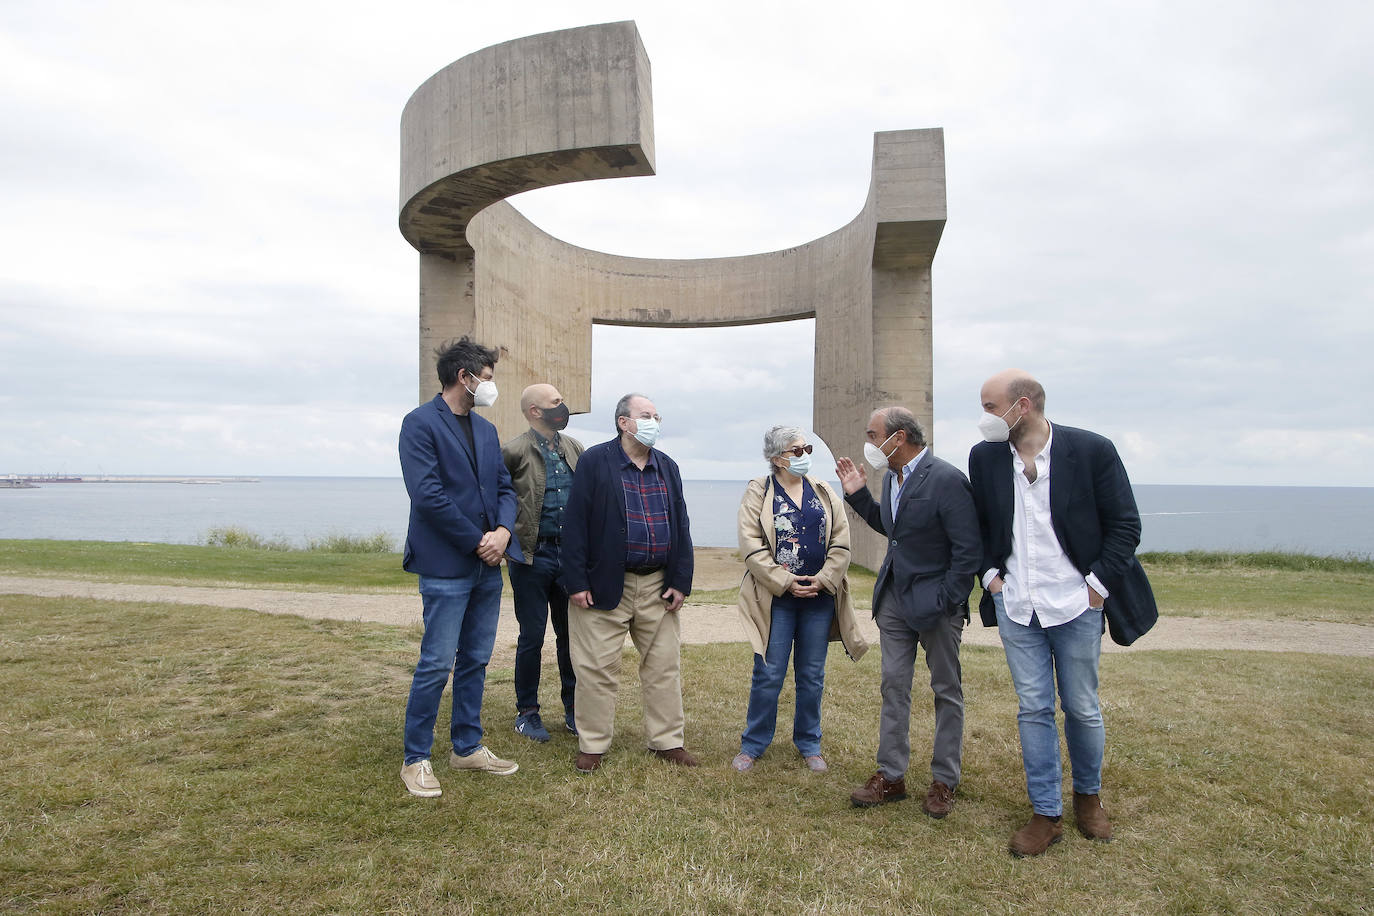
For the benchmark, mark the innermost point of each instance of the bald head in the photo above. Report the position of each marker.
(536, 402)
(538, 395)
(1007, 387)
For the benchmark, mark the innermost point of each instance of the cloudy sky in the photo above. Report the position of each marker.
(1164, 210)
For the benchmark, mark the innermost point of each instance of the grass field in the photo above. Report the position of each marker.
(172, 759)
(1264, 585)
(130, 561)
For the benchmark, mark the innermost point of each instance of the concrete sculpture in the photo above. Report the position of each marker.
(576, 105)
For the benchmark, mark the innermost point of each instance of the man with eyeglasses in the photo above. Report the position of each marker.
(462, 512)
(920, 599)
(627, 567)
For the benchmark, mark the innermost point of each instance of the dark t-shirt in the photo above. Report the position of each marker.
(465, 423)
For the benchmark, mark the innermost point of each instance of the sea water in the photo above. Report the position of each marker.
(1333, 521)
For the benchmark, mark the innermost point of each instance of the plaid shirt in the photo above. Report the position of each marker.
(558, 479)
(646, 513)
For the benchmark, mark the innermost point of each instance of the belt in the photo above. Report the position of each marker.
(643, 570)
(551, 540)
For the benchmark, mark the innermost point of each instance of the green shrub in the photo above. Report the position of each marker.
(241, 538)
(1269, 559)
(379, 542)
(335, 542)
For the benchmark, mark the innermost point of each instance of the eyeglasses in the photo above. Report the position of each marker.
(796, 452)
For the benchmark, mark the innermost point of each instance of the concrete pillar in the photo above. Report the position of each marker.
(448, 309)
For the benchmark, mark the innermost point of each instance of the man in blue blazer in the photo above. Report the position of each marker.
(1059, 530)
(627, 566)
(920, 600)
(462, 512)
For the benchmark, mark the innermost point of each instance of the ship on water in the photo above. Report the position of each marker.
(29, 481)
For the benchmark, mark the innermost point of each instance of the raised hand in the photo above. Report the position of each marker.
(853, 478)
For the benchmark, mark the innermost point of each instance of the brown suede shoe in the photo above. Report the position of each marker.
(676, 755)
(587, 763)
(1040, 834)
(939, 800)
(878, 791)
(1091, 818)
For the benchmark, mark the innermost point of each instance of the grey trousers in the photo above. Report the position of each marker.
(941, 643)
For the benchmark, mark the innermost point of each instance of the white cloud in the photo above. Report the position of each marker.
(1160, 209)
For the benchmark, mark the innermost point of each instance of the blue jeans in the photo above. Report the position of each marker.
(1038, 658)
(805, 625)
(539, 599)
(460, 630)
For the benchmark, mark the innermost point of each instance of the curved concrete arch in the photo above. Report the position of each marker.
(575, 105)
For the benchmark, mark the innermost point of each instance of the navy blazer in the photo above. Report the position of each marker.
(933, 548)
(593, 548)
(454, 497)
(1095, 519)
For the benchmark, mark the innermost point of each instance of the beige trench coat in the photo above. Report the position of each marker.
(764, 578)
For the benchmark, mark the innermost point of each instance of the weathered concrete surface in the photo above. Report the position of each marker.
(565, 106)
(575, 105)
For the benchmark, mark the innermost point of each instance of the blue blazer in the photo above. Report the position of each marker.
(593, 548)
(454, 497)
(933, 547)
(1095, 519)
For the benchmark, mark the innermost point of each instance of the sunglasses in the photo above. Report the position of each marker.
(796, 452)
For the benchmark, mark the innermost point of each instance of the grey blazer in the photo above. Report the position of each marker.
(933, 548)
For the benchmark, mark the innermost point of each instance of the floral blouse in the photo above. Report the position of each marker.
(800, 530)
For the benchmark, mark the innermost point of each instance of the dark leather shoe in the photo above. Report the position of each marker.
(878, 791)
(1091, 818)
(939, 800)
(587, 763)
(1040, 834)
(676, 755)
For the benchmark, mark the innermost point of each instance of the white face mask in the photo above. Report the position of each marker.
(484, 395)
(995, 428)
(875, 455)
(646, 431)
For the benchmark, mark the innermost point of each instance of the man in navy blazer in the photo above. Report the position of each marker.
(627, 567)
(920, 599)
(1059, 530)
(462, 513)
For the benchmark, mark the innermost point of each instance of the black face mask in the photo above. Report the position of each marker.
(557, 417)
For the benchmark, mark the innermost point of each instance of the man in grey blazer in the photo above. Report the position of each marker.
(920, 599)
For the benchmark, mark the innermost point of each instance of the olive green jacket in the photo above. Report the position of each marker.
(525, 462)
(764, 579)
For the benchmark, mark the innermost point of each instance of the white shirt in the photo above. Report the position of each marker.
(1039, 577)
(906, 475)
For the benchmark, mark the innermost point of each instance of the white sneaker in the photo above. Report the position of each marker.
(419, 779)
(483, 760)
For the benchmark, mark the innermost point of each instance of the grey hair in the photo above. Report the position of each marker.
(899, 418)
(622, 408)
(777, 439)
(1027, 387)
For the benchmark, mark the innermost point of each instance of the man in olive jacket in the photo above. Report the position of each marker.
(541, 462)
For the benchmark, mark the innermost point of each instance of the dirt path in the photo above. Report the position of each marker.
(707, 623)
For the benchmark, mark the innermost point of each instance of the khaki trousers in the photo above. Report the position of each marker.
(597, 639)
